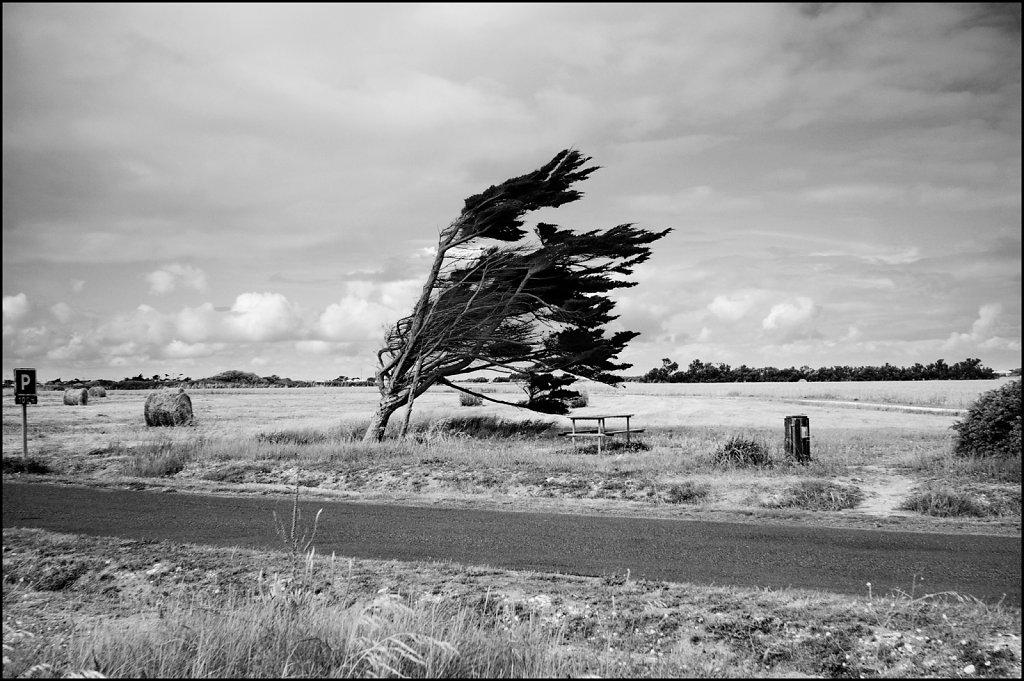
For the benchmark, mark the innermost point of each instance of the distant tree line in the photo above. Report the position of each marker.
(707, 372)
(226, 379)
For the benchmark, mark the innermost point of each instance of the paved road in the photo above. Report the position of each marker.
(776, 556)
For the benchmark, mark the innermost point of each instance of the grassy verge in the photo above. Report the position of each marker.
(131, 608)
(944, 501)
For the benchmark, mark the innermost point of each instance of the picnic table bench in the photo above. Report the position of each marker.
(601, 431)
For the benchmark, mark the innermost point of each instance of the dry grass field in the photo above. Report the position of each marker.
(150, 608)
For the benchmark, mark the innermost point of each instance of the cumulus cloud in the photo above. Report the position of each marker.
(789, 314)
(365, 309)
(15, 307)
(264, 317)
(983, 333)
(908, 119)
(316, 347)
(177, 349)
(733, 307)
(176, 275)
(196, 324)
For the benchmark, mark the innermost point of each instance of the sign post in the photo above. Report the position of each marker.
(25, 394)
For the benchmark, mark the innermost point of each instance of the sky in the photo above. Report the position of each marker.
(189, 189)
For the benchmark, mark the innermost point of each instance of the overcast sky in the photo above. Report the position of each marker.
(195, 188)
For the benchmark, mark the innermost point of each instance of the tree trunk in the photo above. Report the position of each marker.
(404, 432)
(379, 420)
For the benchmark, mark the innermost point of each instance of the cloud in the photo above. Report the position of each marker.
(329, 143)
(790, 314)
(858, 193)
(365, 309)
(316, 347)
(264, 317)
(177, 349)
(15, 307)
(733, 307)
(62, 311)
(196, 324)
(983, 333)
(176, 275)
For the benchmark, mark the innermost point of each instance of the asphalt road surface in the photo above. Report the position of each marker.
(735, 554)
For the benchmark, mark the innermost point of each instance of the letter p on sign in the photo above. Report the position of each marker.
(25, 386)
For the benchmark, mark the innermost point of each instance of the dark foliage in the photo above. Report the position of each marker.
(503, 299)
(705, 372)
(17, 464)
(992, 426)
(741, 451)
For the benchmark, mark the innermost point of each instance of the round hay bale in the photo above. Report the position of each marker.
(76, 396)
(165, 408)
(97, 391)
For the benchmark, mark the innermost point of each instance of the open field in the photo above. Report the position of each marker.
(256, 441)
(867, 462)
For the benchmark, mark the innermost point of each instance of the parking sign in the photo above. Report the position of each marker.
(25, 386)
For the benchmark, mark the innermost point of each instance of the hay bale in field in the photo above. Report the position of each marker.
(165, 408)
(97, 391)
(76, 396)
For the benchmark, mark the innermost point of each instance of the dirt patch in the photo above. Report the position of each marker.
(884, 490)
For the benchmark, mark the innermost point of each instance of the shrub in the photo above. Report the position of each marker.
(484, 426)
(18, 464)
(992, 426)
(945, 502)
(297, 436)
(741, 451)
(821, 495)
(687, 492)
(467, 400)
(159, 460)
(581, 400)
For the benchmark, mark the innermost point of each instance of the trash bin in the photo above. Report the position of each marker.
(798, 438)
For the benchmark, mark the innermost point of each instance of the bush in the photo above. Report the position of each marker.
(944, 502)
(687, 492)
(581, 400)
(20, 465)
(741, 451)
(992, 426)
(159, 460)
(820, 495)
(484, 426)
(467, 400)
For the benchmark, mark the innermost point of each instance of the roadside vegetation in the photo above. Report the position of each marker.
(157, 609)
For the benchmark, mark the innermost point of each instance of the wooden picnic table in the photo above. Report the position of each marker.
(600, 431)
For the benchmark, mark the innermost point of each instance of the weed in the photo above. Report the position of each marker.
(484, 426)
(742, 452)
(946, 502)
(994, 663)
(687, 492)
(579, 401)
(161, 459)
(819, 495)
(235, 473)
(18, 464)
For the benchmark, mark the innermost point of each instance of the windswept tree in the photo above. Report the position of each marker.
(527, 303)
